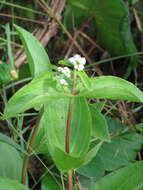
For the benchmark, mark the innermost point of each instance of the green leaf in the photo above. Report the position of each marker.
(64, 161)
(8, 184)
(127, 178)
(10, 162)
(65, 63)
(42, 89)
(122, 150)
(24, 71)
(99, 125)
(55, 115)
(92, 153)
(115, 126)
(98, 106)
(8, 140)
(40, 144)
(5, 75)
(111, 156)
(37, 57)
(48, 183)
(85, 79)
(93, 170)
(111, 20)
(108, 87)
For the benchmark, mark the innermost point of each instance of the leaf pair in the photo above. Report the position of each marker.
(45, 88)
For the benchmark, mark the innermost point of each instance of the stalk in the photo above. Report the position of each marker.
(70, 186)
(29, 148)
(68, 127)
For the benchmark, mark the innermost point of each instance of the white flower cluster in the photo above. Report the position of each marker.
(63, 82)
(65, 70)
(78, 62)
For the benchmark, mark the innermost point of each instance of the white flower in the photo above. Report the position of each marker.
(63, 82)
(80, 67)
(65, 70)
(60, 69)
(72, 60)
(78, 62)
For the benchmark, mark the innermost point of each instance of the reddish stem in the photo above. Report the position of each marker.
(70, 180)
(68, 127)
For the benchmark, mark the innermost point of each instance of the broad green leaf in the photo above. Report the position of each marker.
(115, 126)
(37, 57)
(64, 161)
(24, 71)
(99, 125)
(111, 156)
(8, 184)
(10, 162)
(87, 182)
(40, 144)
(128, 178)
(48, 183)
(111, 20)
(8, 140)
(92, 153)
(98, 106)
(115, 88)
(85, 79)
(121, 151)
(94, 169)
(5, 75)
(55, 115)
(42, 89)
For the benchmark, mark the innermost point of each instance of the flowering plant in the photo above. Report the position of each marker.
(62, 95)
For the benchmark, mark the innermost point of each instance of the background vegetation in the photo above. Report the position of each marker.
(109, 34)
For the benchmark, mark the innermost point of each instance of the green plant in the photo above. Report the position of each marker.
(67, 119)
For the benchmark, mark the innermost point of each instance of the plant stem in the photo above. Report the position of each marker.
(70, 180)
(29, 147)
(68, 126)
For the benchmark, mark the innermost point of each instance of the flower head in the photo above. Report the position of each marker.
(63, 82)
(65, 70)
(78, 62)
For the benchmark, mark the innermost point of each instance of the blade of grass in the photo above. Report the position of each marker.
(114, 58)
(9, 47)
